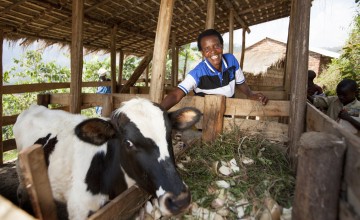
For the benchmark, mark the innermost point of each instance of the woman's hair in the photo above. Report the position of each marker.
(206, 33)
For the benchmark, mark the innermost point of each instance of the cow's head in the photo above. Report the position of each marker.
(139, 136)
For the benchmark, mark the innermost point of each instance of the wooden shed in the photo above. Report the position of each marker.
(149, 28)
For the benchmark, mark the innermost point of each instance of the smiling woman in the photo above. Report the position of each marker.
(217, 74)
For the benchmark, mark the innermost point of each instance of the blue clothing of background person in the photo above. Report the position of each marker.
(102, 89)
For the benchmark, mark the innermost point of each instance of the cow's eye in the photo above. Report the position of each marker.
(129, 144)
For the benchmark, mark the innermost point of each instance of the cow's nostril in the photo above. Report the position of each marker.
(176, 204)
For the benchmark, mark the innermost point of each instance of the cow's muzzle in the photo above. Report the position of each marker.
(171, 204)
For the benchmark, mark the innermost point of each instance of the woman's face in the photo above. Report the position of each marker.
(212, 50)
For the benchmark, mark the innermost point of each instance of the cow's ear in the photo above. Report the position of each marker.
(184, 118)
(95, 131)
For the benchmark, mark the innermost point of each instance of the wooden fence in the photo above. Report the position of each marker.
(218, 113)
(349, 202)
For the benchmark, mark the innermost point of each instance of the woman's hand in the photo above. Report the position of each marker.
(260, 97)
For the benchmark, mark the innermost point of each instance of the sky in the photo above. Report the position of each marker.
(330, 25)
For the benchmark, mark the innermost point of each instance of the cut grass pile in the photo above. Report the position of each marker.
(269, 175)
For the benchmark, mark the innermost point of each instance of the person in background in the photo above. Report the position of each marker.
(217, 74)
(102, 89)
(344, 108)
(313, 89)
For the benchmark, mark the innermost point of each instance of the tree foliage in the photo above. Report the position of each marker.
(347, 65)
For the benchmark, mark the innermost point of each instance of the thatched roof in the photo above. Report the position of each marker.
(136, 20)
(268, 53)
(258, 59)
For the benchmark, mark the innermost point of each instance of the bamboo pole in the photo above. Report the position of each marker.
(160, 50)
(113, 58)
(121, 65)
(297, 65)
(76, 55)
(243, 49)
(1, 92)
(231, 31)
(210, 14)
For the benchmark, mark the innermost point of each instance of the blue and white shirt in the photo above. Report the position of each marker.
(205, 79)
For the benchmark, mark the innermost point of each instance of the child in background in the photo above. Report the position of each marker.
(344, 107)
(313, 89)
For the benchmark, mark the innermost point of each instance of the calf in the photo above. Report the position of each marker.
(91, 161)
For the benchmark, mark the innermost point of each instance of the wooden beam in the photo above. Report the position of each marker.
(247, 107)
(231, 30)
(137, 73)
(76, 55)
(9, 211)
(1, 93)
(210, 14)
(123, 206)
(113, 58)
(243, 24)
(173, 59)
(160, 50)
(121, 66)
(297, 65)
(268, 129)
(243, 49)
(34, 171)
(176, 65)
(147, 76)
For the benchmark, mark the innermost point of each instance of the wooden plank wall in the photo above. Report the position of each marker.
(350, 204)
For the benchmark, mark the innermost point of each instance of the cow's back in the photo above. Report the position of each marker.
(38, 121)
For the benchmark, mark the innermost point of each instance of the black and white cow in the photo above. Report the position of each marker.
(91, 161)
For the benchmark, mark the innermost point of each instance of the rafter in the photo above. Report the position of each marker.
(243, 24)
(9, 8)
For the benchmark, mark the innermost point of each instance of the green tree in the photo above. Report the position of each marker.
(347, 65)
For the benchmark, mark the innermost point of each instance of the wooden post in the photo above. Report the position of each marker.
(43, 99)
(210, 14)
(160, 50)
(213, 118)
(137, 73)
(243, 48)
(173, 59)
(35, 176)
(231, 31)
(121, 65)
(76, 55)
(176, 65)
(113, 58)
(297, 65)
(107, 105)
(318, 177)
(147, 76)
(1, 92)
